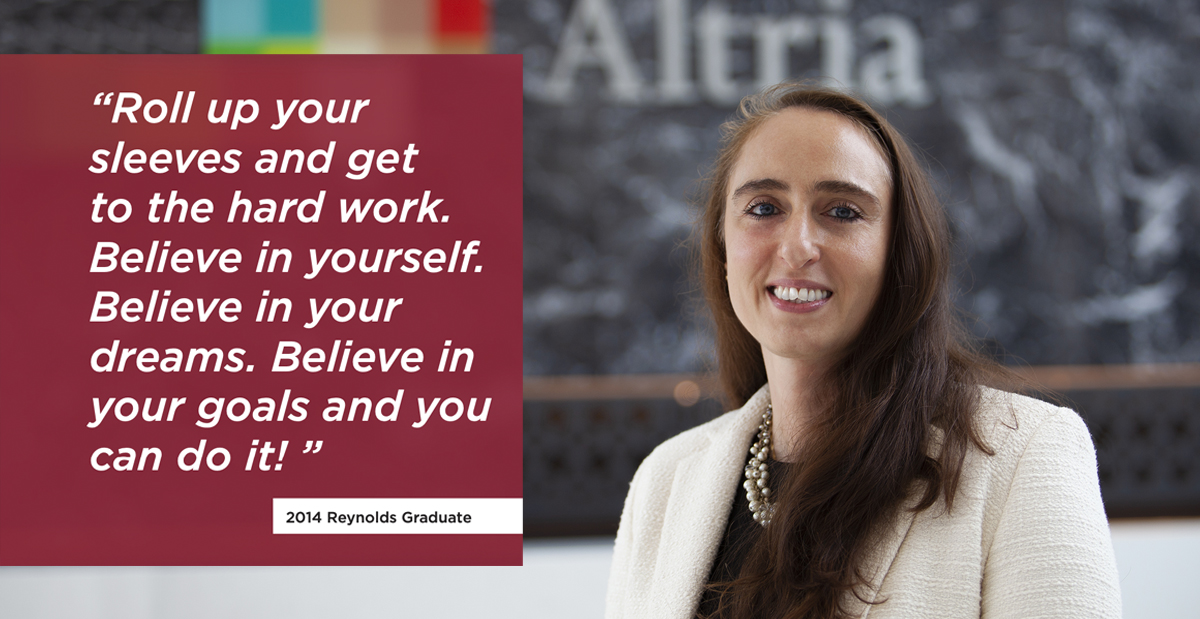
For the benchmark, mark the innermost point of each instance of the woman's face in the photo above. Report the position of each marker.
(807, 223)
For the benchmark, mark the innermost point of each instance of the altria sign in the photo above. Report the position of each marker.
(890, 74)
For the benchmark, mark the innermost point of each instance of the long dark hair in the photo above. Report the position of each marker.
(909, 374)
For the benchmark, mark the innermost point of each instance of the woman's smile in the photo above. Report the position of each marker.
(798, 296)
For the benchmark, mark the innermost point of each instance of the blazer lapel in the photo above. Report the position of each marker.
(697, 510)
(879, 561)
(892, 535)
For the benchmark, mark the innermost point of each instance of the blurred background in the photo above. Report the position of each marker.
(1064, 139)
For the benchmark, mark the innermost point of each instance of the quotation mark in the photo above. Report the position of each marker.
(107, 98)
(309, 448)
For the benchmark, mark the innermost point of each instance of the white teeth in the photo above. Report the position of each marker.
(802, 295)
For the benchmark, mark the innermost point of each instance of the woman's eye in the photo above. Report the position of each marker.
(762, 209)
(844, 213)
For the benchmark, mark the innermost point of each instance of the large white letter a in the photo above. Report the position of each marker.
(607, 49)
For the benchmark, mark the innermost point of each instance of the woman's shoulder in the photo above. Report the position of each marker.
(1044, 525)
(1007, 422)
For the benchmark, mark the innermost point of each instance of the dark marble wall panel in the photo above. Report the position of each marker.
(1064, 137)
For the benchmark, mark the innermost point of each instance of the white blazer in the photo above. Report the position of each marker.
(1027, 537)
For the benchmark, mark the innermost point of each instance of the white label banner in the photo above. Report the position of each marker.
(397, 516)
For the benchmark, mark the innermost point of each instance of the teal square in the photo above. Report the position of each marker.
(291, 17)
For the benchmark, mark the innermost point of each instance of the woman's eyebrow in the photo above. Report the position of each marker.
(757, 185)
(846, 188)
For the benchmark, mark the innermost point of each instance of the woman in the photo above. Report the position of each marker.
(882, 478)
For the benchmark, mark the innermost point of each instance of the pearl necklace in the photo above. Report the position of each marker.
(757, 491)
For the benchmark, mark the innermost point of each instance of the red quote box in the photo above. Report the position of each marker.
(96, 354)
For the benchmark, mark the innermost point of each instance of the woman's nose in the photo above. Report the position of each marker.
(800, 246)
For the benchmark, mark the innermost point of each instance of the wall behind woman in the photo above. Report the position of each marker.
(1063, 135)
(1064, 138)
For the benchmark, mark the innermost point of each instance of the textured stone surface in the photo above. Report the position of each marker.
(1064, 138)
